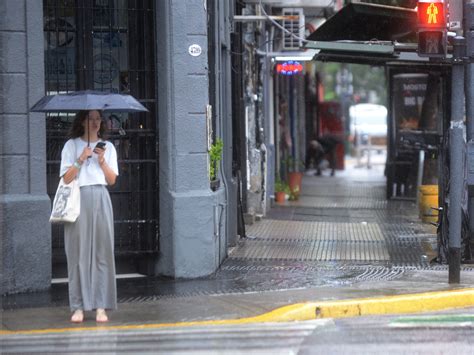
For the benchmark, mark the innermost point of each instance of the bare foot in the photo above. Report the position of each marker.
(77, 316)
(101, 316)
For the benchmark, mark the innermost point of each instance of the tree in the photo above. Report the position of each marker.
(365, 79)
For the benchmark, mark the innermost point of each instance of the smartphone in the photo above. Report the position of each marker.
(100, 145)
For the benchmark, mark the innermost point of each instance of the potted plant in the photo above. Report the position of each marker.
(294, 192)
(281, 189)
(295, 176)
(215, 156)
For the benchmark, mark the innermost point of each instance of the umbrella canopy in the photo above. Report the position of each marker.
(88, 100)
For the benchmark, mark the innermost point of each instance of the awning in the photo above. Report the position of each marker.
(369, 22)
(368, 34)
(372, 53)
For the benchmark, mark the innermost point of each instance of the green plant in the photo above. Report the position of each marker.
(294, 193)
(281, 186)
(215, 156)
(294, 165)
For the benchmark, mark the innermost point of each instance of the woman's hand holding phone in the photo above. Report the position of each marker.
(100, 150)
(100, 145)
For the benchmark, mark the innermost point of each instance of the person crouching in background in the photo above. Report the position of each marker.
(319, 148)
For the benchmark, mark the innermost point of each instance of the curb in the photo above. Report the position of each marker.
(400, 304)
(408, 303)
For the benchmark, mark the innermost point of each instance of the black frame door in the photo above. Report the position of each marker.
(109, 45)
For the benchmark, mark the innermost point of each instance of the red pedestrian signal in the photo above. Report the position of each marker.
(432, 31)
(431, 13)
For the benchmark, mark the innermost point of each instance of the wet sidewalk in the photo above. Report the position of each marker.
(341, 240)
(346, 218)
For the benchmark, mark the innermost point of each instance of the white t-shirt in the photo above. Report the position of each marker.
(91, 173)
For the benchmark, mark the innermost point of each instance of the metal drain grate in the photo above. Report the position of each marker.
(331, 231)
(340, 202)
(328, 241)
(238, 276)
(358, 191)
(340, 215)
(329, 250)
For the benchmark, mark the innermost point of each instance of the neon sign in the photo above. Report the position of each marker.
(289, 68)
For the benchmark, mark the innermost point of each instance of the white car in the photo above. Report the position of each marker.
(368, 125)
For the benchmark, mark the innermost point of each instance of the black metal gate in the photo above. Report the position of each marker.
(109, 45)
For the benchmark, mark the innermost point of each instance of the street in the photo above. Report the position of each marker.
(445, 334)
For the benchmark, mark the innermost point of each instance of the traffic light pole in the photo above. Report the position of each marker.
(469, 90)
(456, 164)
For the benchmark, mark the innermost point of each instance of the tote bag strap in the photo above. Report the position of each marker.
(75, 158)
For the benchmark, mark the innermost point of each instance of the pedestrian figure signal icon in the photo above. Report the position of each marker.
(432, 31)
(431, 43)
(432, 13)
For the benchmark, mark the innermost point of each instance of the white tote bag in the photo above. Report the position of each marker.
(67, 202)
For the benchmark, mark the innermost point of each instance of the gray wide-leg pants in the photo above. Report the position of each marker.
(89, 244)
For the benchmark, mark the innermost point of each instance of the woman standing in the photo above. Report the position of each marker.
(89, 242)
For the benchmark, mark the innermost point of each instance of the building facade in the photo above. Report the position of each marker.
(275, 103)
(203, 74)
(24, 203)
(175, 57)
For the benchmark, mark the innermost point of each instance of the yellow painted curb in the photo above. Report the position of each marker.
(408, 303)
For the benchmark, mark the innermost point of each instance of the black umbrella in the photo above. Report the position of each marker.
(88, 100)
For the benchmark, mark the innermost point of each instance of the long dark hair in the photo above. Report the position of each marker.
(77, 129)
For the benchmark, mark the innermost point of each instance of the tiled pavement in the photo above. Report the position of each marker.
(341, 219)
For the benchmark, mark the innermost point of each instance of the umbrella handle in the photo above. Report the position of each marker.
(88, 135)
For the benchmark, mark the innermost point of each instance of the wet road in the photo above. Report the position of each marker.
(284, 338)
(448, 333)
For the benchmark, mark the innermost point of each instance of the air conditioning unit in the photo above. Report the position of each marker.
(294, 28)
